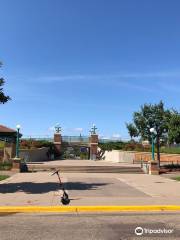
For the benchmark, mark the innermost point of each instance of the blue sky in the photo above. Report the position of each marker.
(82, 62)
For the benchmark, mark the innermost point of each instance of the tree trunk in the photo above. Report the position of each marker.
(158, 151)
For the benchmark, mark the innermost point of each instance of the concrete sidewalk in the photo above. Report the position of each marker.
(89, 189)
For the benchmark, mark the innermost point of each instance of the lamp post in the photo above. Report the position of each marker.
(17, 141)
(153, 135)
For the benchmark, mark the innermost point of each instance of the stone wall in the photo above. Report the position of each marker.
(119, 156)
(138, 157)
(34, 155)
(9, 152)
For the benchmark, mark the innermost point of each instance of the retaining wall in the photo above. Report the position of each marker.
(138, 157)
(119, 156)
(34, 155)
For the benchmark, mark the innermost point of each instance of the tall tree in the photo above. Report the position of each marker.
(152, 116)
(174, 127)
(132, 130)
(3, 98)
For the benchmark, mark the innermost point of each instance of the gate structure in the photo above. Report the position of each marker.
(76, 146)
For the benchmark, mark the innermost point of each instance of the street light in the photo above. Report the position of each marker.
(153, 135)
(17, 141)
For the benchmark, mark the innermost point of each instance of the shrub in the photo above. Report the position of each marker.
(109, 146)
(5, 166)
(83, 155)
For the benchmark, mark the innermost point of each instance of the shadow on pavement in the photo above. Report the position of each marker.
(4, 214)
(37, 188)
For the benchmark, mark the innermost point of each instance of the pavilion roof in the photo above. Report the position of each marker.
(8, 133)
(4, 129)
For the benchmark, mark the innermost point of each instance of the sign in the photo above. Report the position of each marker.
(84, 149)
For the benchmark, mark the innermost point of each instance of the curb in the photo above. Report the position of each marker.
(74, 209)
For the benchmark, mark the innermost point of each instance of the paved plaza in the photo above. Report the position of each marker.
(40, 188)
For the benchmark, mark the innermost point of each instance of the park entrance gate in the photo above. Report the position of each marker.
(76, 147)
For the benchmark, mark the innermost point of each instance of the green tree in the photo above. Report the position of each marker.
(152, 116)
(3, 97)
(132, 130)
(174, 127)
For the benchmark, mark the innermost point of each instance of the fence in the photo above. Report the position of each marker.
(70, 139)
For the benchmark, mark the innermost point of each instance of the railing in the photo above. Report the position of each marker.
(37, 138)
(70, 139)
(103, 140)
(73, 139)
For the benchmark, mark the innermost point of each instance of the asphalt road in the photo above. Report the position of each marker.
(88, 226)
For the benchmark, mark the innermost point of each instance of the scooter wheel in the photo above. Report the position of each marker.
(65, 201)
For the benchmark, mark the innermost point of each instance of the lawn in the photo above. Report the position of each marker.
(176, 178)
(170, 150)
(2, 177)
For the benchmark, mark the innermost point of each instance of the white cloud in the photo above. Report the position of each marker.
(116, 135)
(51, 129)
(105, 137)
(78, 129)
(104, 77)
(125, 80)
(139, 81)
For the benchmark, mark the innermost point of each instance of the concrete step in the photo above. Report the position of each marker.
(85, 169)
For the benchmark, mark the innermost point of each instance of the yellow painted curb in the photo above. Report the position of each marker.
(43, 209)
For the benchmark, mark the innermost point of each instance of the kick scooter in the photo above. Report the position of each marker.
(65, 198)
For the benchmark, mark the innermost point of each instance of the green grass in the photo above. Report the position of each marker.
(176, 178)
(170, 150)
(2, 177)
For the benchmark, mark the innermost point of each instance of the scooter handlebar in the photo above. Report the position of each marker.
(56, 172)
